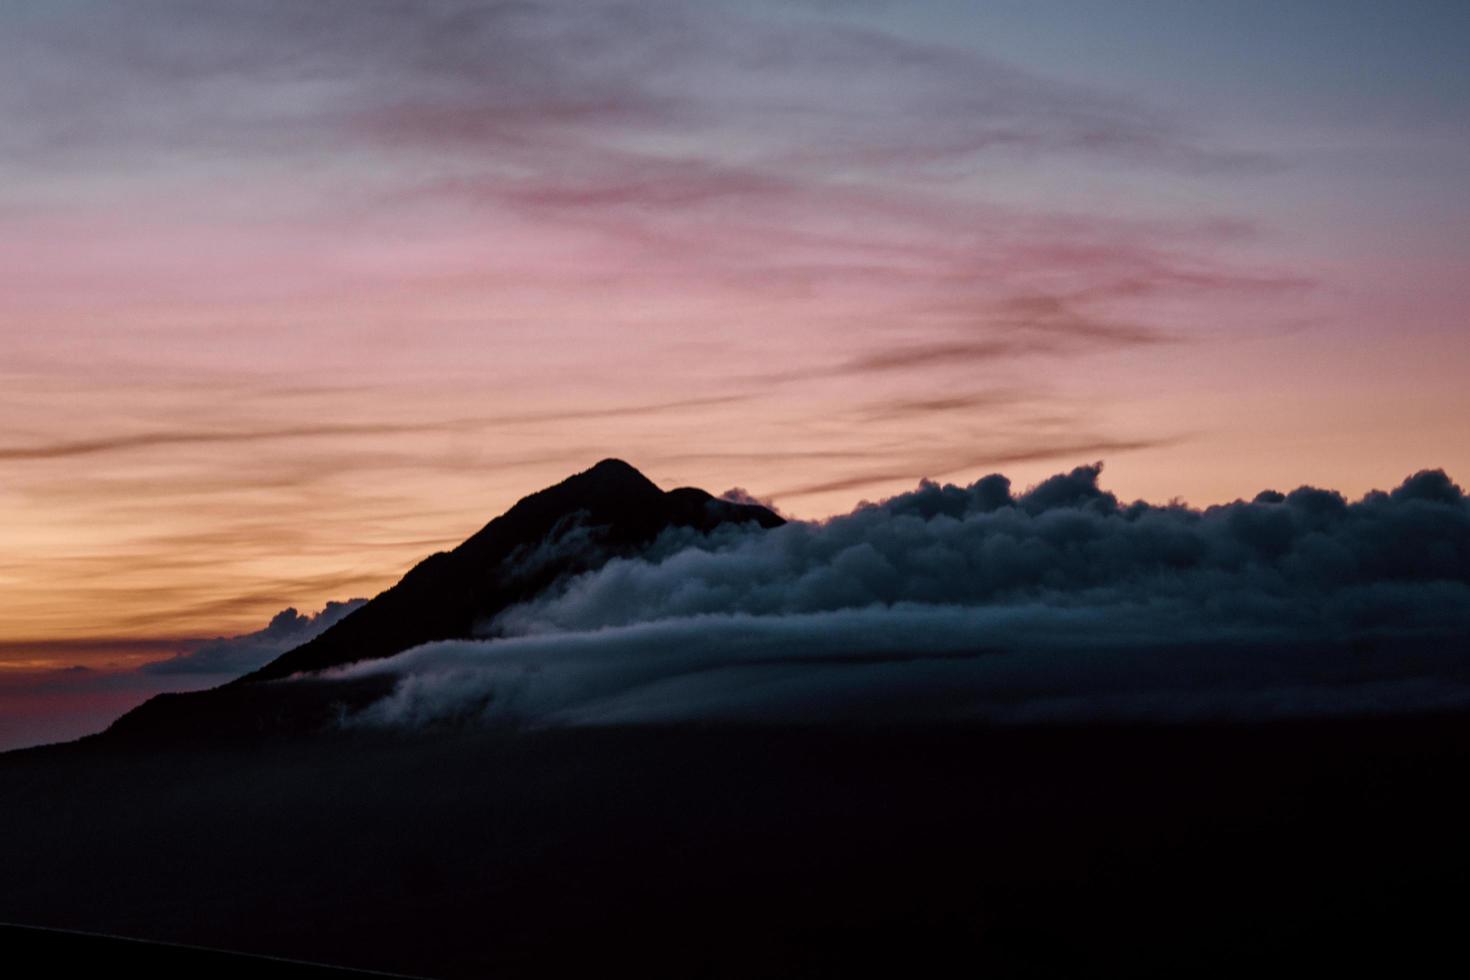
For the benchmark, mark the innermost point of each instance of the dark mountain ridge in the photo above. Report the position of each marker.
(1326, 845)
(445, 595)
(577, 525)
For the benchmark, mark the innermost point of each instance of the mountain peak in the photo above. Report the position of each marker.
(449, 593)
(612, 508)
(608, 476)
(614, 466)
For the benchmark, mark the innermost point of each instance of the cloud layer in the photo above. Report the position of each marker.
(973, 602)
(235, 655)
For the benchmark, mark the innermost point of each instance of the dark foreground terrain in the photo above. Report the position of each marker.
(58, 952)
(763, 852)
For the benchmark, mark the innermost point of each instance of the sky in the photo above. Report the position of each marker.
(292, 295)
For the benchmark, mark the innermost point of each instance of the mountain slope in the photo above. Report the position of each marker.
(576, 525)
(617, 510)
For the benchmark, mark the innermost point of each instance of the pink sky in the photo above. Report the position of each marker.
(291, 297)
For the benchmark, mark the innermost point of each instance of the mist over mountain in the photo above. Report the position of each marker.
(587, 519)
(963, 604)
(1038, 733)
(232, 655)
(1307, 564)
(605, 600)
(592, 517)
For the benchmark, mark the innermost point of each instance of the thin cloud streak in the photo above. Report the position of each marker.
(1033, 454)
(905, 408)
(1016, 342)
(148, 440)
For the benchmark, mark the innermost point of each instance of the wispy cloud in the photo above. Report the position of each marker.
(209, 437)
(1032, 451)
(47, 695)
(148, 440)
(902, 408)
(236, 655)
(459, 248)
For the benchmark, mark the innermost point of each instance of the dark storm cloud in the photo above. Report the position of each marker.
(975, 602)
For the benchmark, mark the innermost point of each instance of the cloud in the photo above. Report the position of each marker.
(901, 408)
(977, 603)
(1304, 562)
(45, 699)
(740, 495)
(796, 167)
(147, 440)
(475, 74)
(1034, 449)
(237, 655)
(210, 437)
(985, 350)
(916, 665)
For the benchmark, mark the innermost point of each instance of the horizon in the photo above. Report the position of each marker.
(125, 653)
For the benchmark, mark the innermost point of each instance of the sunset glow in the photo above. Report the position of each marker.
(293, 295)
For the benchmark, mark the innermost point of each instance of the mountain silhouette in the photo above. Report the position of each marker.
(243, 818)
(577, 525)
(608, 510)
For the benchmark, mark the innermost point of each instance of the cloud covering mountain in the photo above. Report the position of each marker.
(978, 603)
(235, 655)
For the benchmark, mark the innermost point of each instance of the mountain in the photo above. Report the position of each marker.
(1208, 845)
(574, 526)
(577, 525)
